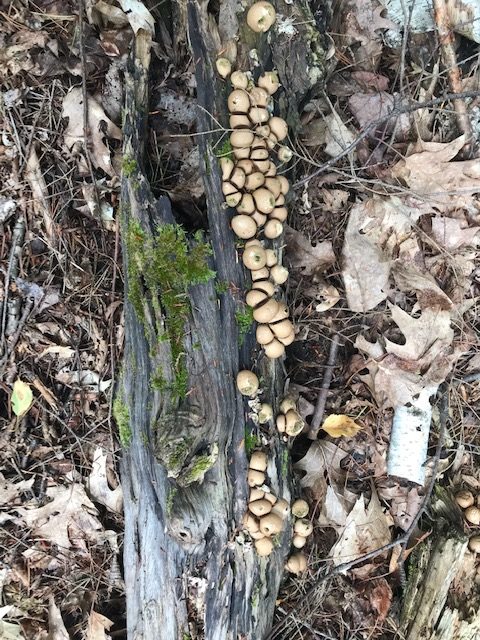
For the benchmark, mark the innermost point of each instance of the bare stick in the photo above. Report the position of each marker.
(322, 396)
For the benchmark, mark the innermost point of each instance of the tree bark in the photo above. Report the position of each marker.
(190, 572)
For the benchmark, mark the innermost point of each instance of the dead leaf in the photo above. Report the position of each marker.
(335, 510)
(338, 426)
(100, 127)
(305, 257)
(98, 486)
(337, 135)
(452, 233)
(97, 625)
(22, 398)
(408, 278)
(10, 491)
(138, 16)
(40, 195)
(366, 529)
(56, 626)
(381, 598)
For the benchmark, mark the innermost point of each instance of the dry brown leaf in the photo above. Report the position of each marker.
(429, 171)
(337, 135)
(10, 491)
(97, 626)
(381, 598)
(335, 510)
(56, 626)
(369, 107)
(17, 57)
(100, 127)
(305, 257)
(338, 426)
(98, 486)
(366, 529)
(408, 278)
(452, 233)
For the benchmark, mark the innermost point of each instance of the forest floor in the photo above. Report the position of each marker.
(382, 247)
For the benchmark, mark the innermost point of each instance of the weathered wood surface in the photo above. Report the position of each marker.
(188, 572)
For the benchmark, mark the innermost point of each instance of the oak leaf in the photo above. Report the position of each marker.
(338, 426)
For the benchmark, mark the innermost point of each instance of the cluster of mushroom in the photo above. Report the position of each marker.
(266, 513)
(274, 331)
(250, 180)
(302, 528)
(471, 510)
(289, 421)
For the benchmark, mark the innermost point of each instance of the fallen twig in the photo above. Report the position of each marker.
(322, 396)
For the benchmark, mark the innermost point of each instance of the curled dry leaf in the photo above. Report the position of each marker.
(337, 135)
(369, 107)
(97, 626)
(305, 257)
(56, 626)
(453, 233)
(10, 491)
(338, 426)
(98, 486)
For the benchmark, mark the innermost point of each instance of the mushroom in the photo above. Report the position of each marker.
(294, 423)
(271, 498)
(282, 313)
(281, 422)
(273, 229)
(279, 213)
(271, 171)
(474, 544)
(254, 242)
(258, 461)
(271, 257)
(246, 165)
(239, 80)
(227, 165)
(279, 274)
(264, 200)
(274, 349)
(254, 181)
(241, 153)
(264, 547)
(255, 297)
(270, 524)
(254, 257)
(238, 101)
(247, 383)
(259, 97)
(281, 508)
(241, 138)
(265, 413)
(297, 563)
(242, 225)
(300, 508)
(246, 204)
(472, 515)
(255, 478)
(224, 67)
(232, 200)
(278, 127)
(260, 17)
(258, 535)
(288, 339)
(282, 329)
(239, 121)
(260, 507)
(464, 499)
(260, 274)
(266, 311)
(263, 131)
(258, 115)
(273, 185)
(284, 154)
(287, 404)
(272, 141)
(250, 523)
(303, 527)
(269, 82)
(285, 185)
(266, 286)
(298, 541)
(256, 494)
(264, 334)
(260, 218)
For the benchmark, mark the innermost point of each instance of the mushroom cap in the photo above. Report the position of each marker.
(271, 171)
(254, 181)
(274, 349)
(279, 213)
(259, 97)
(269, 81)
(265, 414)
(472, 514)
(255, 494)
(254, 242)
(255, 478)
(271, 524)
(294, 423)
(279, 274)
(227, 165)
(258, 115)
(272, 141)
(242, 225)
(238, 101)
(263, 131)
(246, 204)
(260, 507)
(260, 274)
(254, 257)
(241, 153)
(464, 499)
(260, 218)
(285, 185)
(229, 189)
(282, 313)
(266, 311)
(282, 329)
(262, 165)
(278, 127)
(281, 508)
(247, 165)
(272, 499)
(280, 201)
(273, 185)
(260, 17)
(284, 154)
(303, 527)
(258, 535)
(258, 460)
(264, 200)
(255, 297)
(288, 403)
(271, 257)
(299, 541)
(474, 544)
(266, 286)
(300, 508)
(250, 523)
(247, 383)
(232, 199)
(288, 339)
(239, 121)
(239, 80)
(297, 563)
(264, 546)
(241, 138)
(238, 177)
(281, 423)
(259, 153)
(264, 334)
(273, 229)
(224, 67)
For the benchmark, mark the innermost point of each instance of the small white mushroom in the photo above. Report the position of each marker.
(256, 297)
(241, 138)
(246, 204)
(463, 498)
(261, 16)
(288, 403)
(284, 154)
(279, 274)
(271, 257)
(260, 274)
(273, 229)
(300, 508)
(250, 523)
(264, 200)
(242, 225)
(264, 547)
(282, 329)
(298, 541)
(265, 413)
(270, 524)
(266, 311)
(264, 334)
(260, 507)
(264, 285)
(281, 508)
(238, 101)
(224, 67)
(303, 527)
(297, 563)
(281, 423)
(256, 494)
(269, 82)
(258, 461)
(294, 423)
(247, 383)
(278, 127)
(254, 257)
(255, 478)
(274, 349)
(239, 80)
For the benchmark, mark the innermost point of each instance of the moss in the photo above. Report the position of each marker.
(251, 441)
(122, 418)
(255, 597)
(172, 492)
(165, 266)
(226, 150)
(244, 321)
(129, 166)
(221, 287)
(285, 463)
(198, 467)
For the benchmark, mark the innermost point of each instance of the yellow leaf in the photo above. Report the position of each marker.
(340, 425)
(22, 398)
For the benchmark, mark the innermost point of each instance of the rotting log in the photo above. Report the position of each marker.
(189, 571)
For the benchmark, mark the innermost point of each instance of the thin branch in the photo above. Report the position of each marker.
(322, 396)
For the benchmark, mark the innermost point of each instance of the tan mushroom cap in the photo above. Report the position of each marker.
(258, 535)
(271, 257)
(261, 16)
(270, 497)
(279, 213)
(256, 494)
(282, 329)
(288, 339)
(260, 507)
(254, 242)
(241, 138)
(271, 524)
(255, 297)
(299, 541)
(266, 311)
(282, 312)
(294, 423)
(260, 274)
(254, 181)
(239, 80)
(269, 81)
(247, 383)
(278, 127)
(281, 508)
(287, 404)
(281, 423)
(232, 200)
(265, 414)
(262, 165)
(279, 274)
(254, 257)
(246, 204)
(264, 200)
(263, 131)
(285, 185)
(260, 218)
(241, 153)
(264, 334)
(227, 165)
(258, 115)
(258, 460)
(474, 544)
(264, 547)
(250, 523)
(255, 478)
(472, 515)
(273, 185)
(273, 229)
(297, 563)
(224, 67)
(247, 165)
(243, 226)
(300, 508)
(274, 349)
(238, 101)
(284, 154)
(464, 498)
(266, 286)
(303, 527)
(259, 97)
(271, 170)
(239, 121)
